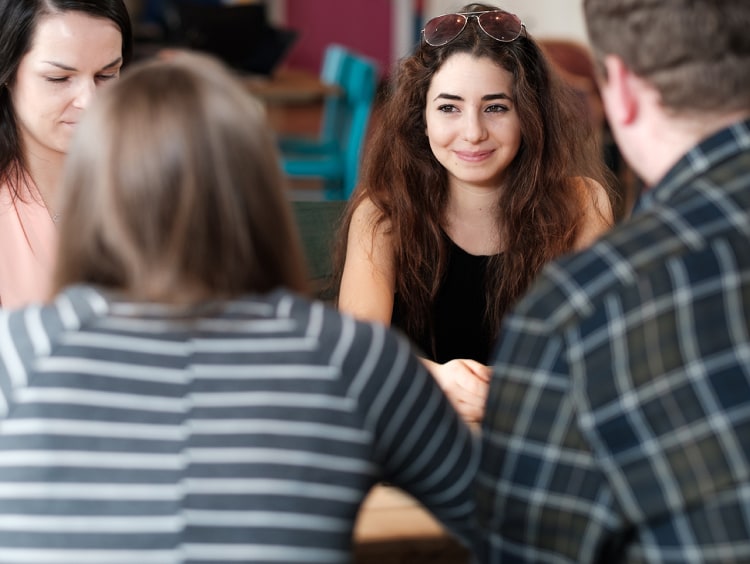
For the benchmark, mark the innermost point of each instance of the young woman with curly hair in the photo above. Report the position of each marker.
(482, 168)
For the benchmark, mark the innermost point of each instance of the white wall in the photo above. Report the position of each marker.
(276, 11)
(403, 27)
(543, 18)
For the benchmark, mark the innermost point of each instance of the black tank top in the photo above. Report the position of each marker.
(458, 328)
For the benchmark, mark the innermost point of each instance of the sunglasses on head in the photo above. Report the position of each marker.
(498, 24)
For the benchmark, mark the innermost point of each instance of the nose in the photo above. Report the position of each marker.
(474, 129)
(84, 93)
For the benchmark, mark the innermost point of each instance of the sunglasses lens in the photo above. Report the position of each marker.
(501, 25)
(443, 29)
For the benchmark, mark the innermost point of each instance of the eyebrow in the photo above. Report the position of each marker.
(65, 67)
(485, 98)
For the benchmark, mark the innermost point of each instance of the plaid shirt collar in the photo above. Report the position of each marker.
(714, 149)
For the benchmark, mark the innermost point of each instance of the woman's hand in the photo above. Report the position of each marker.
(466, 383)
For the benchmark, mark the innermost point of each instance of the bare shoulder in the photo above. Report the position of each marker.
(367, 219)
(366, 211)
(594, 195)
(368, 278)
(596, 205)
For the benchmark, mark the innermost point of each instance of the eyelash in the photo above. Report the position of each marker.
(494, 108)
(498, 108)
(447, 108)
(62, 79)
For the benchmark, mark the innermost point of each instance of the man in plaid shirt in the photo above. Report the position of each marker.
(618, 420)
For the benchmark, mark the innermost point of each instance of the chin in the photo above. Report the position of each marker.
(63, 143)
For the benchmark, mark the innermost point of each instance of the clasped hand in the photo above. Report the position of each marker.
(466, 383)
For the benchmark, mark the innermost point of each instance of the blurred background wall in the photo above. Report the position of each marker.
(388, 29)
(543, 18)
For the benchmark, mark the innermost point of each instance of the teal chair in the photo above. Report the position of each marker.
(334, 156)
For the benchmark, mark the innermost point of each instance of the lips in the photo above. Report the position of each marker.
(473, 156)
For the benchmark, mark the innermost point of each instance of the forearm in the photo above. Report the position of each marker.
(426, 449)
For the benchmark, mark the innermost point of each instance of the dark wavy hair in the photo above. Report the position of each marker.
(18, 22)
(540, 209)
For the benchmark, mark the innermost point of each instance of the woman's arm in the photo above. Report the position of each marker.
(421, 444)
(368, 281)
(367, 292)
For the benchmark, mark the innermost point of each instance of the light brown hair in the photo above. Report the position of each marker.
(173, 192)
(696, 53)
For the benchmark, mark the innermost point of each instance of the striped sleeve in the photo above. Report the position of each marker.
(421, 443)
(251, 432)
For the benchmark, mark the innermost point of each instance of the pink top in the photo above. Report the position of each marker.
(28, 240)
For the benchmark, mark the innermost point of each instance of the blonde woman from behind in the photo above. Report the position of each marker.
(188, 404)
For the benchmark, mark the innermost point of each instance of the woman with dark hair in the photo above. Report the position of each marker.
(53, 55)
(481, 170)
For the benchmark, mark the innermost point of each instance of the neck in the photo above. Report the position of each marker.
(46, 172)
(471, 202)
(471, 219)
(672, 136)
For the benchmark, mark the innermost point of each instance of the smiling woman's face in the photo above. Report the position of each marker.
(472, 123)
(71, 55)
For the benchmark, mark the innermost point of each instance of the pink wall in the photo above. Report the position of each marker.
(362, 25)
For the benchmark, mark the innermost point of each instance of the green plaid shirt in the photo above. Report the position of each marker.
(618, 420)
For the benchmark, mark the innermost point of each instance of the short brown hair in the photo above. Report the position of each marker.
(696, 53)
(173, 192)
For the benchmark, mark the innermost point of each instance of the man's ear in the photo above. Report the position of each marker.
(619, 91)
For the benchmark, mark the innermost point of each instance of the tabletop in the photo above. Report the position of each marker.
(289, 86)
(394, 527)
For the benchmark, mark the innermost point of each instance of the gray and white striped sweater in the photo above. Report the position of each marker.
(250, 431)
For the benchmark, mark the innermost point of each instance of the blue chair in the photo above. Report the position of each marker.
(334, 156)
